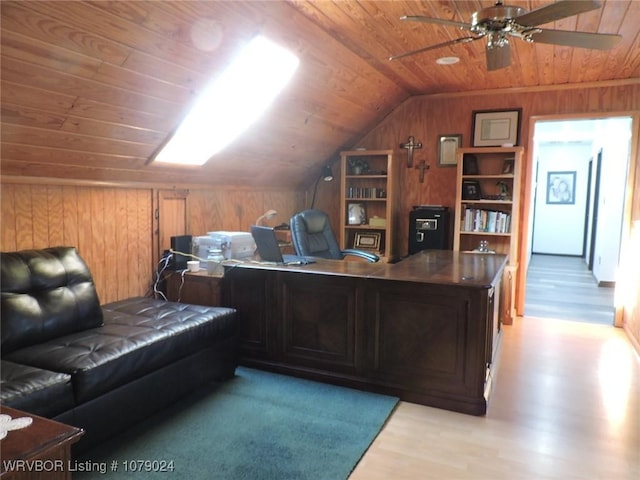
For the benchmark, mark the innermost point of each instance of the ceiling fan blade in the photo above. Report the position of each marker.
(498, 57)
(452, 23)
(433, 47)
(598, 41)
(556, 11)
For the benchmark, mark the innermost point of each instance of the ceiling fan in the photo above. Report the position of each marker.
(499, 22)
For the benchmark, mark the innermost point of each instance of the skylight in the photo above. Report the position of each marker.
(231, 103)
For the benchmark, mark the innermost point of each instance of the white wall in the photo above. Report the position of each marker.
(559, 227)
(614, 137)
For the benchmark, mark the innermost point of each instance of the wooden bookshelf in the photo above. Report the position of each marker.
(487, 209)
(370, 192)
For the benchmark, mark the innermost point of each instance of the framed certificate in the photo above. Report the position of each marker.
(367, 240)
(496, 128)
(447, 148)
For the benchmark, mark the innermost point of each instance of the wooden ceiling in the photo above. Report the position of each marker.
(90, 90)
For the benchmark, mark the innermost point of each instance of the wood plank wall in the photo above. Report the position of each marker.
(632, 309)
(426, 117)
(110, 227)
(237, 209)
(27, 222)
(113, 227)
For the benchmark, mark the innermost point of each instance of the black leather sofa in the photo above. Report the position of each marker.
(101, 368)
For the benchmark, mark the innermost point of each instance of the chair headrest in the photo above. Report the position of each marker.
(315, 220)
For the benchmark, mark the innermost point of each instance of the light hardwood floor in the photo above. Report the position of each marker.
(563, 287)
(565, 405)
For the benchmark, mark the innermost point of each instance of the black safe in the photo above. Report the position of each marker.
(428, 228)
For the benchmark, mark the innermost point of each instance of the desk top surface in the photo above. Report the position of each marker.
(441, 267)
(36, 439)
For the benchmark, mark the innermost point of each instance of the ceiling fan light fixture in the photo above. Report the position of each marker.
(447, 60)
(501, 21)
(497, 40)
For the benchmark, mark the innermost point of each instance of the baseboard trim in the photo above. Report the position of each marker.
(608, 284)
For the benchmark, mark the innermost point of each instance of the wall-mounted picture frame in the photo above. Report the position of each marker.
(471, 190)
(356, 214)
(507, 166)
(447, 149)
(367, 240)
(561, 188)
(496, 128)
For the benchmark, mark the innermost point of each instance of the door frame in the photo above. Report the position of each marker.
(595, 211)
(626, 247)
(160, 194)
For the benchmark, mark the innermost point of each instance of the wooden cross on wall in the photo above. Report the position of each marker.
(409, 146)
(422, 166)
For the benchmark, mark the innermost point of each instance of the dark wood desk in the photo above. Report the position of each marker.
(41, 450)
(424, 329)
(197, 288)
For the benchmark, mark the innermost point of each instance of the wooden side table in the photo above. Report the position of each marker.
(40, 451)
(199, 288)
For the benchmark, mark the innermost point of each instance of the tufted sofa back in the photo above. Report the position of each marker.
(45, 294)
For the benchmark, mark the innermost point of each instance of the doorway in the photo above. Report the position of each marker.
(563, 232)
(171, 217)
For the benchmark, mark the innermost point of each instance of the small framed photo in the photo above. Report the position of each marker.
(496, 128)
(447, 148)
(561, 187)
(469, 164)
(470, 190)
(507, 166)
(356, 214)
(367, 240)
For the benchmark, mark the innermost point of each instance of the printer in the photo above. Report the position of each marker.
(236, 245)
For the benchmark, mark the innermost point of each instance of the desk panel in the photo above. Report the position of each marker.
(319, 321)
(421, 329)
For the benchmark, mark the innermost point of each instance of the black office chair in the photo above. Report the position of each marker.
(312, 236)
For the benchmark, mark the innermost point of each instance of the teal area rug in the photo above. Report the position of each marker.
(259, 425)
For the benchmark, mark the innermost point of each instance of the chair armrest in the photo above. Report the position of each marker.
(371, 257)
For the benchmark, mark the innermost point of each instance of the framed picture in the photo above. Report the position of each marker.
(495, 128)
(470, 190)
(447, 146)
(507, 166)
(561, 188)
(469, 164)
(367, 240)
(356, 214)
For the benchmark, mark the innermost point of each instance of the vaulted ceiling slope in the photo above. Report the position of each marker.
(90, 90)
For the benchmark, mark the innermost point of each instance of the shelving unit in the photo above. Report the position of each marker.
(487, 209)
(371, 192)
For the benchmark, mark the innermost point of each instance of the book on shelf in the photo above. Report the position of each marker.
(490, 221)
(366, 192)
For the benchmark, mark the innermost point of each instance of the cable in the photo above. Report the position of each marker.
(162, 266)
(181, 285)
(175, 252)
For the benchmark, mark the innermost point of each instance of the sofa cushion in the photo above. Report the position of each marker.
(35, 390)
(45, 294)
(139, 335)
